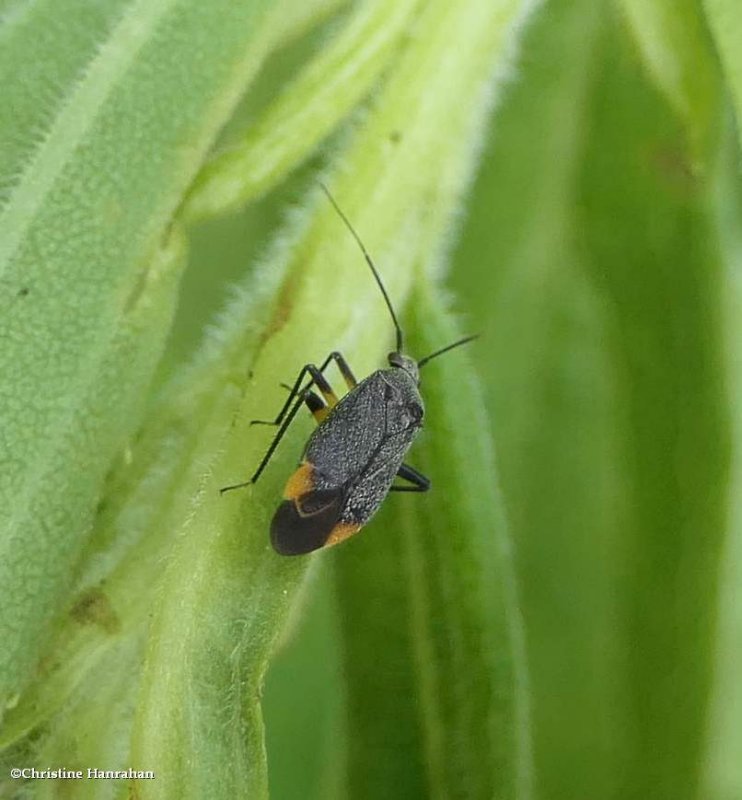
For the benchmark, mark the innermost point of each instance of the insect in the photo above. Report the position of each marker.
(357, 449)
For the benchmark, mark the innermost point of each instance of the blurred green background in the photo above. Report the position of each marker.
(597, 254)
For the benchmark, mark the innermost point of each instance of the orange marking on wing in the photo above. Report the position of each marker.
(301, 482)
(341, 532)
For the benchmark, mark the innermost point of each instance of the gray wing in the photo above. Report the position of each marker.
(362, 442)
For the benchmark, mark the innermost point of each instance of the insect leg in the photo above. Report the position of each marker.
(319, 380)
(315, 404)
(324, 386)
(288, 419)
(316, 379)
(293, 392)
(418, 481)
(345, 370)
(297, 396)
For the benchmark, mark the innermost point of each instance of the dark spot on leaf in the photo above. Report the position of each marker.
(674, 167)
(136, 292)
(282, 313)
(395, 137)
(93, 607)
(48, 663)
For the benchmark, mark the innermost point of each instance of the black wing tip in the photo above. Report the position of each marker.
(294, 534)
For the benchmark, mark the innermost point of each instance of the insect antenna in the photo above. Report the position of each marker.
(423, 361)
(369, 262)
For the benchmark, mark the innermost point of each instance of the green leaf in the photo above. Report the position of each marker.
(663, 285)
(432, 634)
(548, 391)
(326, 90)
(40, 60)
(723, 772)
(87, 208)
(601, 290)
(674, 41)
(725, 23)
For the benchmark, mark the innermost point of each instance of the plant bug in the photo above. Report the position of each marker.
(357, 449)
